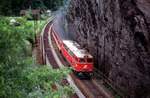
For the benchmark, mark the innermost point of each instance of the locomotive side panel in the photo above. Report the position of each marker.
(68, 57)
(63, 49)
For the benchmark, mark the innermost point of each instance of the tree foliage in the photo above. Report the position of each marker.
(19, 76)
(10, 7)
(53, 4)
(13, 7)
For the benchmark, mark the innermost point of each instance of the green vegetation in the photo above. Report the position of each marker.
(13, 7)
(20, 77)
(54, 4)
(29, 27)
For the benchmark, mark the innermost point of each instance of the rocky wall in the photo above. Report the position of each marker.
(117, 34)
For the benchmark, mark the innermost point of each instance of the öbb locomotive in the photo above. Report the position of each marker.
(78, 58)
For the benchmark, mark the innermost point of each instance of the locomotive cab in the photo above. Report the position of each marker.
(80, 60)
(85, 60)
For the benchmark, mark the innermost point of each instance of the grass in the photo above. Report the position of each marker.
(37, 25)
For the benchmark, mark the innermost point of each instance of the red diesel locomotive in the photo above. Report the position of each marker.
(79, 59)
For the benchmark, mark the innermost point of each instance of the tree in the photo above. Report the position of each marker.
(53, 4)
(19, 76)
(13, 7)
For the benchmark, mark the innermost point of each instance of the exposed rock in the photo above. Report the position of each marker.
(117, 33)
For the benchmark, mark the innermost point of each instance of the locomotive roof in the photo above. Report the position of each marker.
(76, 49)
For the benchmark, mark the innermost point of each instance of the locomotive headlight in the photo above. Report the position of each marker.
(76, 65)
(85, 66)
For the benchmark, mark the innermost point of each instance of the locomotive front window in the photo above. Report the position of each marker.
(89, 60)
(82, 60)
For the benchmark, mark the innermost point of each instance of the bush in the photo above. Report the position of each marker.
(19, 76)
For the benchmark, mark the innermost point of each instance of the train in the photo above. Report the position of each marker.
(78, 58)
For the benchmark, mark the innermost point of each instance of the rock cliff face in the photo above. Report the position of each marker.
(117, 33)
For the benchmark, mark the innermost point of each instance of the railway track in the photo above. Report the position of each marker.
(48, 56)
(88, 88)
(105, 81)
